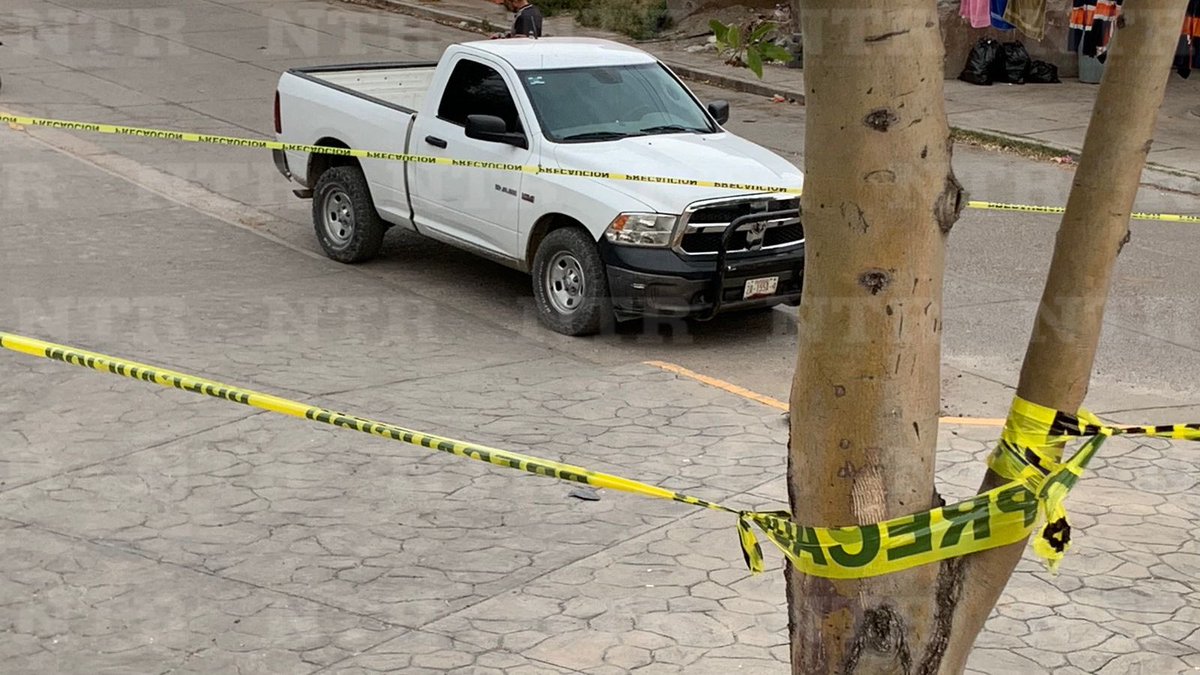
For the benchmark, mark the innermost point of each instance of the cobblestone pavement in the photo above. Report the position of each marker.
(270, 545)
(149, 530)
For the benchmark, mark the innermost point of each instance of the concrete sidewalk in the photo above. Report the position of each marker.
(1053, 116)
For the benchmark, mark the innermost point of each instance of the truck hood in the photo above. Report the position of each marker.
(715, 157)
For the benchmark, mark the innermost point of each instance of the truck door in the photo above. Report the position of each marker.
(478, 206)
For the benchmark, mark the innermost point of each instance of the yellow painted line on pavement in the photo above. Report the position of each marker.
(719, 384)
(780, 405)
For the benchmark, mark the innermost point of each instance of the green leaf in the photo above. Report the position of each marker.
(735, 38)
(754, 60)
(720, 30)
(759, 33)
(773, 52)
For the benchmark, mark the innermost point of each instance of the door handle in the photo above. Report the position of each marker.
(435, 141)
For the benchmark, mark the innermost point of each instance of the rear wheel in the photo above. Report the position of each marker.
(570, 285)
(344, 217)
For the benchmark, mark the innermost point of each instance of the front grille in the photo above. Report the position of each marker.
(706, 225)
(709, 242)
(723, 214)
(783, 235)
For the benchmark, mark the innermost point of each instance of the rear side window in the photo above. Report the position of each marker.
(478, 89)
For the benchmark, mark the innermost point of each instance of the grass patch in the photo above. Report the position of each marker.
(639, 19)
(552, 7)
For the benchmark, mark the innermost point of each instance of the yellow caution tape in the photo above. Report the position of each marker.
(1026, 208)
(260, 144)
(1001, 516)
(16, 121)
(1030, 452)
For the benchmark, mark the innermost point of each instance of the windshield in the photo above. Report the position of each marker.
(577, 105)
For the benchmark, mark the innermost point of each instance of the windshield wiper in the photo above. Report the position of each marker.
(673, 129)
(597, 136)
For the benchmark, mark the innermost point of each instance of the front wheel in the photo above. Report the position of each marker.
(570, 285)
(344, 217)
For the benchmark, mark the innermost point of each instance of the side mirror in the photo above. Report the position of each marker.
(493, 130)
(719, 110)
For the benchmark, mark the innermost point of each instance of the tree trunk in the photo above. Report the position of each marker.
(1066, 332)
(879, 199)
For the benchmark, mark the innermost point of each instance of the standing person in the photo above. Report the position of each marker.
(528, 19)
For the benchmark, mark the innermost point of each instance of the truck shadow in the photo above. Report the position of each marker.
(501, 295)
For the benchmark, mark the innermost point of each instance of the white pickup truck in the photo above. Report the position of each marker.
(597, 249)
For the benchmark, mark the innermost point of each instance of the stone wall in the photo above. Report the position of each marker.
(683, 8)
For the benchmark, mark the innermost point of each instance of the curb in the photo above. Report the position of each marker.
(733, 83)
(1153, 175)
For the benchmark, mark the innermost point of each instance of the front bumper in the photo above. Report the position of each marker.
(660, 282)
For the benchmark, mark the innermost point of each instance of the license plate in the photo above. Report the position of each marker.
(756, 288)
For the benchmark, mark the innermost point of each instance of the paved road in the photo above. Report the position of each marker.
(215, 71)
(150, 530)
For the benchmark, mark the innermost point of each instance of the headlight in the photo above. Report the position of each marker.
(642, 229)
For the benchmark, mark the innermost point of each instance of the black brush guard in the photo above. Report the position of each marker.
(723, 268)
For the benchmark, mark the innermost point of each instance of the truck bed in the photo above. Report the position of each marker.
(399, 85)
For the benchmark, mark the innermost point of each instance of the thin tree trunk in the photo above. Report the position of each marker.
(879, 199)
(1062, 349)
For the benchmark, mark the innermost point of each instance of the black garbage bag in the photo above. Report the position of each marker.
(981, 62)
(1041, 72)
(1184, 57)
(1012, 64)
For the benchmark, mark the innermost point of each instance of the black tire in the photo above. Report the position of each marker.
(570, 284)
(344, 217)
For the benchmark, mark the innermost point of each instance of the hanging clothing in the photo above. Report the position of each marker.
(1028, 16)
(1092, 25)
(997, 8)
(977, 12)
(1187, 55)
(1191, 22)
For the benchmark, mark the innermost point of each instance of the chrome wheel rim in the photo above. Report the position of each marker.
(338, 215)
(565, 286)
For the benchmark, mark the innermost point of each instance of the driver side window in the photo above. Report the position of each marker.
(478, 89)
